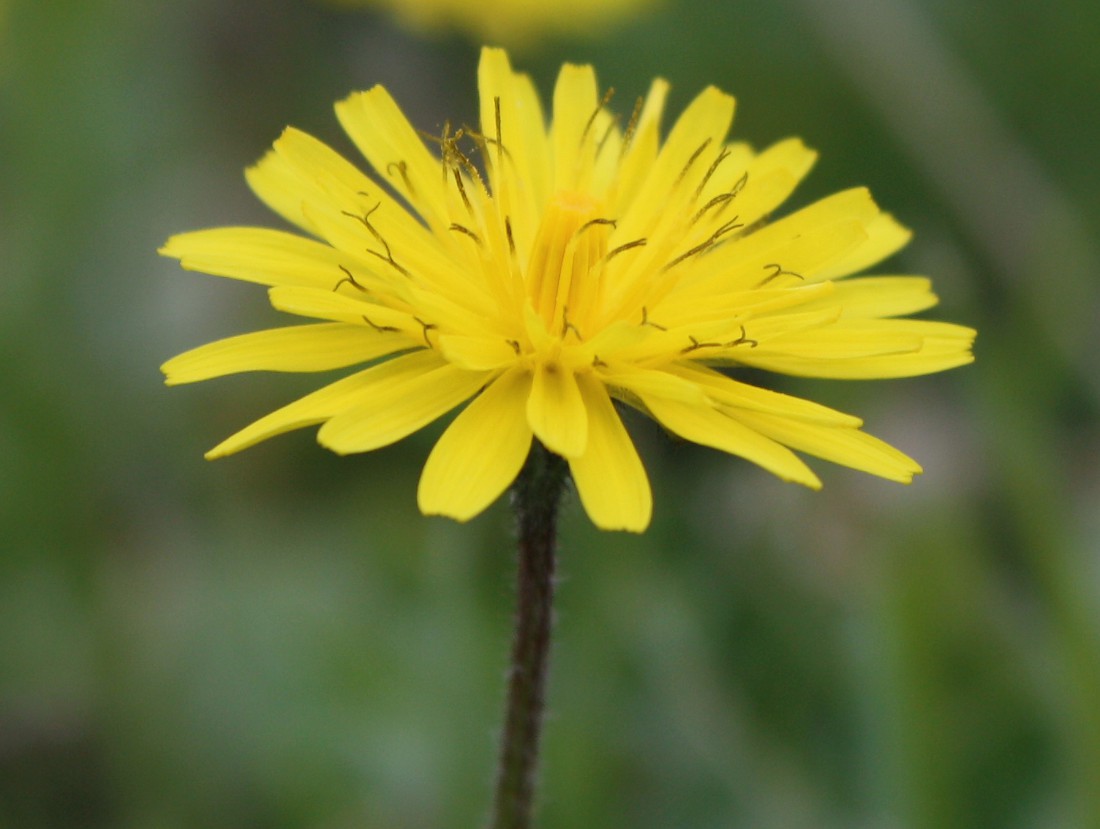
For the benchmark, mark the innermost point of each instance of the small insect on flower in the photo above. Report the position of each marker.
(539, 273)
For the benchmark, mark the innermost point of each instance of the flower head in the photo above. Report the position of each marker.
(507, 21)
(540, 273)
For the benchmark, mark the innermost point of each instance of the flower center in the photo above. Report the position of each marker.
(562, 274)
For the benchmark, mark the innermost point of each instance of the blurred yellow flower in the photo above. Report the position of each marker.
(513, 22)
(582, 263)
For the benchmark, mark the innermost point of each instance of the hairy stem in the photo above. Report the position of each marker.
(536, 495)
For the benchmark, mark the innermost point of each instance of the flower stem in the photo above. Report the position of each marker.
(536, 495)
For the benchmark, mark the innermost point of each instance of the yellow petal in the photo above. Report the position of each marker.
(884, 237)
(385, 137)
(876, 297)
(641, 152)
(842, 445)
(400, 406)
(868, 349)
(867, 368)
(358, 214)
(612, 339)
(804, 243)
(710, 427)
(329, 173)
(556, 411)
(300, 169)
(278, 186)
(575, 101)
(704, 123)
(326, 402)
(329, 305)
(610, 478)
(724, 340)
(845, 340)
(459, 313)
(391, 266)
(786, 325)
(518, 158)
(657, 383)
(694, 142)
(298, 348)
(476, 353)
(770, 178)
(660, 214)
(733, 393)
(684, 308)
(741, 265)
(316, 188)
(256, 254)
(480, 453)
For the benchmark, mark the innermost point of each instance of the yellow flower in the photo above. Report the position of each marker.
(582, 263)
(506, 21)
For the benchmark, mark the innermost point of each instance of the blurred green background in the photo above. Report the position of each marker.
(280, 640)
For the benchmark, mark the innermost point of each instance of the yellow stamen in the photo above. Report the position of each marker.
(570, 244)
